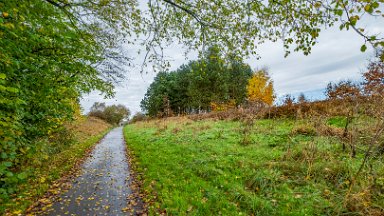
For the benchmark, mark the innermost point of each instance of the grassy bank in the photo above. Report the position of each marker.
(52, 160)
(274, 167)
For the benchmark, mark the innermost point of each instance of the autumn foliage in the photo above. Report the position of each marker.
(224, 106)
(260, 88)
(343, 90)
(374, 79)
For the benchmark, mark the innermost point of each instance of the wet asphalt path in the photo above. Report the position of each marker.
(102, 188)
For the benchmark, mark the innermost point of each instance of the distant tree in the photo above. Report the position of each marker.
(181, 102)
(139, 116)
(153, 102)
(112, 114)
(97, 110)
(345, 89)
(208, 80)
(289, 100)
(302, 99)
(239, 74)
(260, 88)
(374, 78)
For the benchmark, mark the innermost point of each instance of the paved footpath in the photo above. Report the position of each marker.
(102, 188)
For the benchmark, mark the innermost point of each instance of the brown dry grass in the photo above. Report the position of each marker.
(86, 127)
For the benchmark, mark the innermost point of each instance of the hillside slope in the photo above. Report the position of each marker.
(269, 167)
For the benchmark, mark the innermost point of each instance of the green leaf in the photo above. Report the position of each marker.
(2, 76)
(9, 174)
(11, 89)
(363, 48)
(22, 176)
(317, 5)
(375, 5)
(368, 8)
(353, 20)
(7, 164)
(4, 155)
(339, 12)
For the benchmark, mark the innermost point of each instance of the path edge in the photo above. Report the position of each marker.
(63, 183)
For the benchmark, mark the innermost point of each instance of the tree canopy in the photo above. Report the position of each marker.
(198, 86)
(260, 88)
(241, 25)
(112, 114)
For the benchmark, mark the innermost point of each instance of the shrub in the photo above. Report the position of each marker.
(304, 129)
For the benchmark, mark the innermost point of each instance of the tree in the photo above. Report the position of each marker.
(113, 114)
(239, 74)
(260, 88)
(302, 99)
(116, 113)
(288, 100)
(374, 78)
(139, 116)
(240, 25)
(209, 80)
(153, 102)
(210, 83)
(345, 89)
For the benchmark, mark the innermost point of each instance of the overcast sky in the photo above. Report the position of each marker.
(337, 56)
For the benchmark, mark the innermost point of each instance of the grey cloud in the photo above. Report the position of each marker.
(336, 56)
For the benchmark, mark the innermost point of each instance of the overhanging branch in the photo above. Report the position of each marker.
(188, 11)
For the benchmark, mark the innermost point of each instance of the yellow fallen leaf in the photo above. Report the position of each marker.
(17, 212)
(42, 179)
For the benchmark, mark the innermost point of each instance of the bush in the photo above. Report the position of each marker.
(304, 129)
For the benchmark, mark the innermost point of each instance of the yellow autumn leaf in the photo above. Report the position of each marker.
(42, 179)
(17, 212)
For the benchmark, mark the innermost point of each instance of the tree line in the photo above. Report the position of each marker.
(210, 83)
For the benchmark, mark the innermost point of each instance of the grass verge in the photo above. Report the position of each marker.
(50, 167)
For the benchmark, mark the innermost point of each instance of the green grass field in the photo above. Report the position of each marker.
(223, 167)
